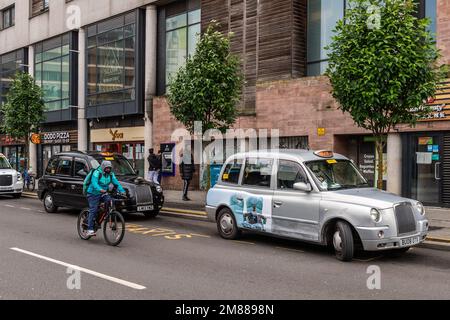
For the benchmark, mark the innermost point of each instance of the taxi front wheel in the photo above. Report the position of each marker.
(343, 241)
(226, 225)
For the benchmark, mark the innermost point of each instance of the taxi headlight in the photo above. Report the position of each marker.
(19, 177)
(159, 189)
(420, 208)
(375, 215)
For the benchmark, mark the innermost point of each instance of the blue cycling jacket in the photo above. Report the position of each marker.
(103, 183)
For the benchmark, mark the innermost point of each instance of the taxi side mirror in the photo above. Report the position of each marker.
(301, 186)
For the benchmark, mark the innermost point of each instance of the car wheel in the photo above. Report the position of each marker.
(151, 214)
(343, 241)
(226, 225)
(48, 203)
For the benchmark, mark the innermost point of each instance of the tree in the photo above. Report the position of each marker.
(24, 109)
(208, 87)
(383, 65)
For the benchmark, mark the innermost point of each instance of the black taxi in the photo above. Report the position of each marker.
(62, 183)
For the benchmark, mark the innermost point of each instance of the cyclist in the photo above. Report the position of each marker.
(102, 177)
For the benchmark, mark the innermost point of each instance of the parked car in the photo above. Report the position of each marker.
(11, 181)
(62, 183)
(319, 197)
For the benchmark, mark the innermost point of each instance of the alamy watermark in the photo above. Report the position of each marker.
(374, 280)
(74, 280)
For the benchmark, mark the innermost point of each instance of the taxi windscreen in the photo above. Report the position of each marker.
(336, 174)
(4, 164)
(120, 165)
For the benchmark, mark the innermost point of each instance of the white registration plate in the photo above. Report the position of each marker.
(409, 241)
(6, 189)
(145, 208)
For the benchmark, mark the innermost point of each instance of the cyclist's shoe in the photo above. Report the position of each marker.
(91, 233)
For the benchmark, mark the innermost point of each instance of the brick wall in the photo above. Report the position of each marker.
(443, 29)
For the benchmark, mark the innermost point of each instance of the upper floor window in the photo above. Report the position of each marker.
(10, 64)
(38, 7)
(322, 18)
(111, 65)
(52, 71)
(181, 39)
(8, 17)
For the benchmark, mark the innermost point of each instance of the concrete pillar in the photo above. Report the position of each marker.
(150, 77)
(82, 122)
(33, 148)
(394, 163)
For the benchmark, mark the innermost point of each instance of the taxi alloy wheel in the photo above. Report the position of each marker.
(48, 203)
(226, 224)
(343, 241)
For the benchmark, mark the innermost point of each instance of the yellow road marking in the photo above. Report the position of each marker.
(183, 211)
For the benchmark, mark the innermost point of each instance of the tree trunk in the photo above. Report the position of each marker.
(26, 152)
(379, 145)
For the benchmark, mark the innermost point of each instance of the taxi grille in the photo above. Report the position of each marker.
(405, 218)
(5, 180)
(143, 195)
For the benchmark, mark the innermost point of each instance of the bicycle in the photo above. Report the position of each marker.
(112, 221)
(29, 180)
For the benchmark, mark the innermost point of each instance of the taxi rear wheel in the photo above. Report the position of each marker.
(48, 203)
(343, 243)
(226, 225)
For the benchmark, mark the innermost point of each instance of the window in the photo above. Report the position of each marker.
(51, 167)
(322, 18)
(288, 174)
(181, 39)
(39, 6)
(52, 71)
(64, 167)
(8, 17)
(81, 168)
(232, 171)
(111, 54)
(258, 172)
(10, 64)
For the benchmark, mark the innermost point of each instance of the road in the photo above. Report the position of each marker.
(177, 258)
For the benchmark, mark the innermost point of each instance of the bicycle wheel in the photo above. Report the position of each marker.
(82, 224)
(114, 228)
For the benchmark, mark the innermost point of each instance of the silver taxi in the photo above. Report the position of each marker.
(318, 197)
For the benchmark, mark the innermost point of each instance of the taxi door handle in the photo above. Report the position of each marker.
(277, 204)
(73, 187)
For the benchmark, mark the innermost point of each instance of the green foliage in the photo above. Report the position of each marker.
(208, 87)
(382, 76)
(23, 111)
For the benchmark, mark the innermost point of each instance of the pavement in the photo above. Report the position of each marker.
(439, 218)
(42, 257)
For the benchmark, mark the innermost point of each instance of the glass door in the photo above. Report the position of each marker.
(426, 170)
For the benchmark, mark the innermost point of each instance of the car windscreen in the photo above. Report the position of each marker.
(4, 164)
(120, 165)
(334, 174)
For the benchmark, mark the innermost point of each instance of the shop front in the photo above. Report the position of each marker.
(127, 141)
(14, 151)
(54, 142)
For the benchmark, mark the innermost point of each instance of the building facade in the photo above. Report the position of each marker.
(105, 78)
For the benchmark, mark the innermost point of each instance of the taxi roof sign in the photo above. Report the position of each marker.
(324, 153)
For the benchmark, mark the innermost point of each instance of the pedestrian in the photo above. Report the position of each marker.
(153, 166)
(187, 169)
(159, 166)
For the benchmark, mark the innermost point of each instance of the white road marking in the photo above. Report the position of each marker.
(91, 272)
(23, 208)
(9, 206)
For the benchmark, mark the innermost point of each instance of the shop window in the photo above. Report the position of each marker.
(289, 173)
(258, 172)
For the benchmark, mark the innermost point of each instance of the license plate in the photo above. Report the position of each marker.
(409, 241)
(5, 189)
(145, 208)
